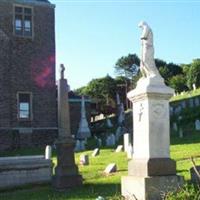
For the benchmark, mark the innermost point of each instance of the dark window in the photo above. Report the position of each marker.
(23, 21)
(24, 105)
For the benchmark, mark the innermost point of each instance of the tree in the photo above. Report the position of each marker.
(194, 74)
(178, 82)
(128, 66)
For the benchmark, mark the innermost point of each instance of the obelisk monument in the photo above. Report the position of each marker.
(66, 171)
(151, 171)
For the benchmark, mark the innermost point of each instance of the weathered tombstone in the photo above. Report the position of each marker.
(77, 146)
(197, 125)
(111, 168)
(175, 127)
(191, 102)
(194, 177)
(118, 133)
(196, 100)
(84, 159)
(109, 123)
(126, 141)
(180, 133)
(119, 148)
(112, 139)
(66, 171)
(48, 152)
(96, 152)
(99, 142)
(183, 104)
(151, 171)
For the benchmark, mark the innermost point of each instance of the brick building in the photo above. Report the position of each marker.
(28, 110)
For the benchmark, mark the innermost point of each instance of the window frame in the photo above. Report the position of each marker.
(30, 118)
(24, 15)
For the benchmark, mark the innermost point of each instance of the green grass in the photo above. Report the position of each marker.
(186, 95)
(95, 182)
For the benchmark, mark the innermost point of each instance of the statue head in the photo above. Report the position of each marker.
(142, 24)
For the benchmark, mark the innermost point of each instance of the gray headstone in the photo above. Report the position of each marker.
(84, 159)
(191, 103)
(96, 152)
(111, 168)
(48, 152)
(197, 125)
(119, 148)
(196, 100)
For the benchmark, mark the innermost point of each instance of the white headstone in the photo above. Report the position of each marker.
(48, 152)
(119, 148)
(96, 152)
(130, 152)
(84, 159)
(194, 86)
(111, 168)
(197, 125)
(127, 141)
(109, 123)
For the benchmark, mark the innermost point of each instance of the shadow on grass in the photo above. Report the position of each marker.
(187, 139)
(85, 192)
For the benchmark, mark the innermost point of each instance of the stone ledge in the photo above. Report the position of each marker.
(149, 188)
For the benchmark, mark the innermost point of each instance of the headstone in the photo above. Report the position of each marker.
(194, 86)
(66, 171)
(118, 133)
(191, 103)
(109, 123)
(84, 159)
(196, 100)
(151, 172)
(126, 141)
(183, 104)
(111, 168)
(197, 125)
(175, 127)
(130, 152)
(119, 148)
(48, 152)
(99, 141)
(96, 152)
(194, 177)
(83, 130)
(100, 198)
(180, 133)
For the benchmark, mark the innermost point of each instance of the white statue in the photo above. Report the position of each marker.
(147, 64)
(62, 70)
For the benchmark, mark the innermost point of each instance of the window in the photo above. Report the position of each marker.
(23, 24)
(24, 106)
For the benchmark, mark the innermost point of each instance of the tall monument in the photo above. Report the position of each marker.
(83, 130)
(151, 171)
(66, 172)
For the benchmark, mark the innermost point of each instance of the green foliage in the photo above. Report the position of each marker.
(187, 192)
(194, 74)
(127, 66)
(178, 82)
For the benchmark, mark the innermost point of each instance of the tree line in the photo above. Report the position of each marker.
(103, 90)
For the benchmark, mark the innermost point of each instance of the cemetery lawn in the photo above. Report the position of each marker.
(95, 182)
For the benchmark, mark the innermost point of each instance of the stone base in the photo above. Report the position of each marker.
(149, 188)
(61, 183)
(152, 167)
(66, 171)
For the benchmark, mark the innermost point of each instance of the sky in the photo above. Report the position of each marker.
(91, 35)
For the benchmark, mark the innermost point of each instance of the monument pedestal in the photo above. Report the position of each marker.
(151, 172)
(66, 172)
(149, 188)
